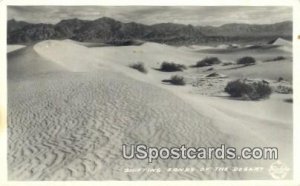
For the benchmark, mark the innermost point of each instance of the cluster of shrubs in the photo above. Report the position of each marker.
(238, 88)
(252, 91)
(171, 67)
(139, 66)
(209, 61)
(246, 61)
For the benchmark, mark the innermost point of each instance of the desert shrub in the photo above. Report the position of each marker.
(280, 79)
(246, 61)
(237, 88)
(177, 80)
(227, 63)
(283, 89)
(253, 91)
(139, 66)
(210, 69)
(278, 58)
(171, 67)
(214, 74)
(261, 90)
(124, 42)
(289, 100)
(209, 61)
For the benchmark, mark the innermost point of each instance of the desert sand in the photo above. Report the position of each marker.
(11, 48)
(71, 107)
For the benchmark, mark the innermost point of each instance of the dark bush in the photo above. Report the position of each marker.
(139, 66)
(237, 88)
(210, 69)
(283, 89)
(261, 90)
(246, 61)
(289, 100)
(120, 42)
(278, 58)
(124, 42)
(253, 91)
(209, 61)
(177, 80)
(171, 67)
(280, 79)
(214, 74)
(227, 63)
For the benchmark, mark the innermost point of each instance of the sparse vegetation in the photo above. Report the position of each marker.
(214, 74)
(278, 58)
(139, 66)
(246, 61)
(176, 80)
(227, 63)
(289, 100)
(210, 69)
(280, 79)
(125, 42)
(283, 89)
(171, 67)
(244, 90)
(209, 61)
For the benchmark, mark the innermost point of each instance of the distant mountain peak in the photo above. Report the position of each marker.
(105, 19)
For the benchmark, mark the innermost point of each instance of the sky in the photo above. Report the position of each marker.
(194, 15)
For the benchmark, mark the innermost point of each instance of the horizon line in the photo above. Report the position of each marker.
(150, 24)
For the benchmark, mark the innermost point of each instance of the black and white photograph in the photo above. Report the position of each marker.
(130, 93)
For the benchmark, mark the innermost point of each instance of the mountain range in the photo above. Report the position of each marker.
(108, 30)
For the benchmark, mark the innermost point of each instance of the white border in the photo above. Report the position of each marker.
(296, 70)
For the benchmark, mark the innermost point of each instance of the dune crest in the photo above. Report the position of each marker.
(74, 57)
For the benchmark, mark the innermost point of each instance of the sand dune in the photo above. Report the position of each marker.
(263, 70)
(66, 125)
(282, 42)
(87, 117)
(71, 108)
(11, 48)
(26, 62)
